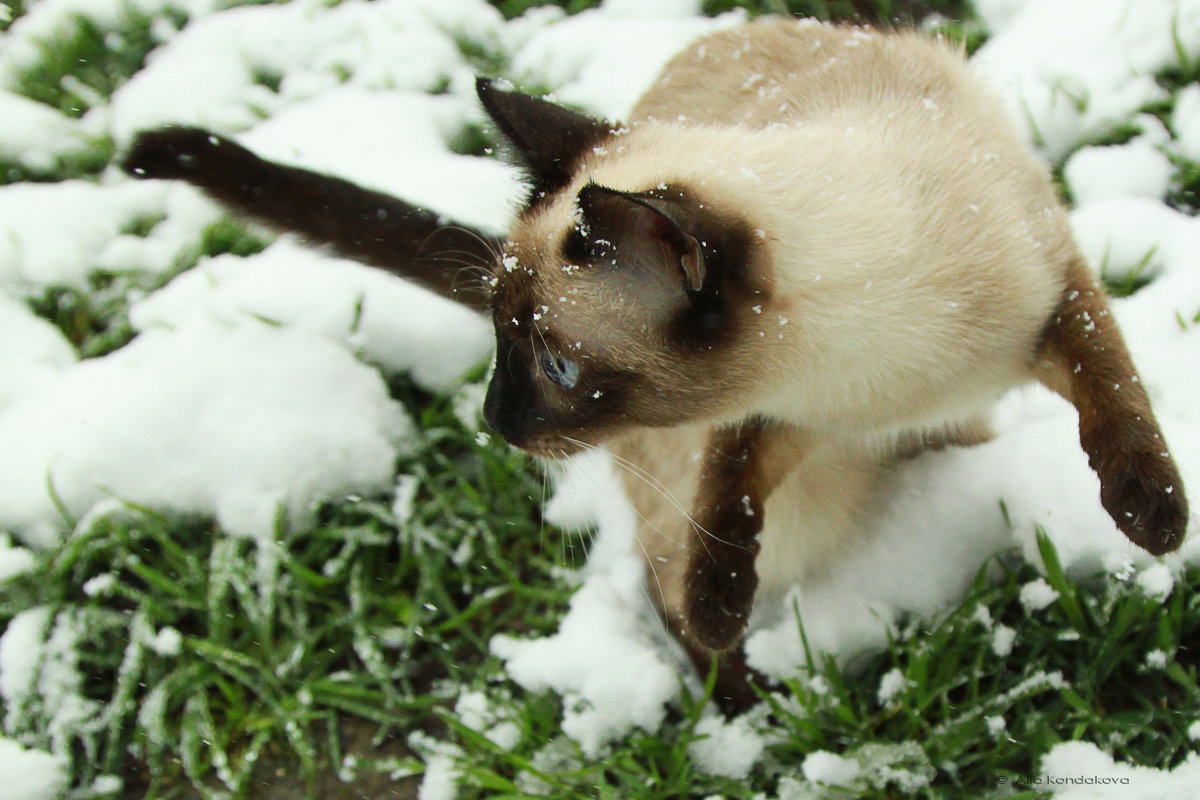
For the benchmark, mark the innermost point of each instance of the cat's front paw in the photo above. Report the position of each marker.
(175, 152)
(719, 597)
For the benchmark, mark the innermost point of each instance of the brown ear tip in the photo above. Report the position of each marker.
(174, 151)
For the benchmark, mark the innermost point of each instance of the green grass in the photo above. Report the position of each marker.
(96, 319)
(362, 616)
(1095, 638)
(10, 10)
(88, 64)
(305, 665)
(864, 11)
(91, 159)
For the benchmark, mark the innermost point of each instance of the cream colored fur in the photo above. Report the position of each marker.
(910, 263)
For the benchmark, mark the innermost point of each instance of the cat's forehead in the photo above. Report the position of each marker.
(532, 263)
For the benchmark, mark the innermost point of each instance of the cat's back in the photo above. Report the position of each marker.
(784, 70)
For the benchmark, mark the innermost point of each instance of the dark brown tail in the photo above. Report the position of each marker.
(1086, 361)
(357, 223)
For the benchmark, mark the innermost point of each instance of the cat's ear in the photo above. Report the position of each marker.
(548, 138)
(642, 229)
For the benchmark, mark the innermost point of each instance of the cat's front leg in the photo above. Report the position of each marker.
(359, 223)
(742, 465)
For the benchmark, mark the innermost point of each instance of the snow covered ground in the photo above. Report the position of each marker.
(255, 385)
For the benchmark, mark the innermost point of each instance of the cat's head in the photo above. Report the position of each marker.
(615, 307)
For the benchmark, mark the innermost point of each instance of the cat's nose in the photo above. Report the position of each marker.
(505, 410)
(500, 422)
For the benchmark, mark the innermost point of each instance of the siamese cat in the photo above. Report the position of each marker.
(810, 251)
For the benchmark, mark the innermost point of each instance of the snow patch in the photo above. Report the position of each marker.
(389, 322)
(14, 561)
(54, 233)
(891, 684)
(604, 59)
(830, 769)
(1136, 169)
(1156, 582)
(21, 647)
(34, 351)
(730, 748)
(1068, 76)
(1185, 122)
(237, 423)
(36, 135)
(1081, 771)
(31, 774)
(1036, 595)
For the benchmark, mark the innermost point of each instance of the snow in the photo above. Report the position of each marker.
(167, 642)
(99, 585)
(1003, 639)
(440, 779)
(1156, 582)
(1157, 659)
(903, 765)
(478, 712)
(234, 422)
(14, 561)
(34, 351)
(31, 774)
(21, 647)
(608, 623)
(1068, 76)
(353, 132)
(891, 684)
(729, 749)
(605, 59)
(389, 322)
(405, 494)
(1036, 595)
(1136, 169)
(36, 135)
(1081, 771)
(209, 74)
(254, 384)
(1185, 122)
(830, 768)
(56, 233)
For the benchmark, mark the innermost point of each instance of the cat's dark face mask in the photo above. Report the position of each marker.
(613, 309)
(544, 403)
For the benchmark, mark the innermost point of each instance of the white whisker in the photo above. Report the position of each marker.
(663, 491)
(661, 605)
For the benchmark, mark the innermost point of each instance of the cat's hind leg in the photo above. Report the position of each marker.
(1083, 357)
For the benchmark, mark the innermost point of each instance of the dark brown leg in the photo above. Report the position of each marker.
(735, 680)
(1086, 361)
(743, 465)
(365, 225)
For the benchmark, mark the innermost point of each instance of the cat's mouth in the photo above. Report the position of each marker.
(553, 449)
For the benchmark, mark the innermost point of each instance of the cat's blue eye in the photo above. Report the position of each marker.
(562, 371)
